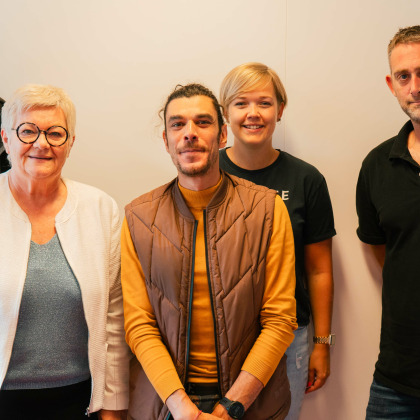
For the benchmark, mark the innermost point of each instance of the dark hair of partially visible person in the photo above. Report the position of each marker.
(188, 91)
(4, 162)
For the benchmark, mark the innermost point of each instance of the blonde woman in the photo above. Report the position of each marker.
(254, 98)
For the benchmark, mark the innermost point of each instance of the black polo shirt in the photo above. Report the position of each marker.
(304, 191)
(388, 206)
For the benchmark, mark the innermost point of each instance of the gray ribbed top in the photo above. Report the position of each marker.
(50, 347)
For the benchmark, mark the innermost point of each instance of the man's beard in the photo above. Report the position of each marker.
(201, 170)
(413, 113)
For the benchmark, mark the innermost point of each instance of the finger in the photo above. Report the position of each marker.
(317, 384)
(311, 378)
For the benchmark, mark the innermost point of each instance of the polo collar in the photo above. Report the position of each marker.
(399, 149)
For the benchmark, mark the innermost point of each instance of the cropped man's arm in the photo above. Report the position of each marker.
(318, 266)
(379, 253)
(142, 333)
(278, 315)
(112, 415)
(245, 389)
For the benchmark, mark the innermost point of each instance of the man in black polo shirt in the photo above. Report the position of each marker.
(388, 206)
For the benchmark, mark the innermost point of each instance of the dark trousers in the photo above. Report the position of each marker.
(62, 403)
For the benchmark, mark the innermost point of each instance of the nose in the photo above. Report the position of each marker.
(415, 85)
(41, 141)
(253, 110)
(190, 131)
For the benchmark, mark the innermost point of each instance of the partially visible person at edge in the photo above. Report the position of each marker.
(253, 99)
(388, 206)
(4, 162)
(62, 347)
(208, 281)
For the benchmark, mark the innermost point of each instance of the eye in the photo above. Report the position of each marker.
(177, 124)
(239, 103)
(204, 122)
(56, 134)
(27, 132)
(403, 77)
(266, 103)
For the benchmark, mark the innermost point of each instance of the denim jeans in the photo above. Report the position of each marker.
(297, 370)
(386, 403)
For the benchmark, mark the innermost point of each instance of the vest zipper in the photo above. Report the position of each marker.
(211, 301)
(190, 302)
(91, 395)
(187, 356)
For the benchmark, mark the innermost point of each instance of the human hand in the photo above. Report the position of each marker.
(112, 414)
(319, 367)
(182, 408)
(220, 412)
(205, 416)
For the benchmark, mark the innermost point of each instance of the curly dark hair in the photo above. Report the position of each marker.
(188, 91)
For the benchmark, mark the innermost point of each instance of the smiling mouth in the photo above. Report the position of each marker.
(253, 127)
(40, 157)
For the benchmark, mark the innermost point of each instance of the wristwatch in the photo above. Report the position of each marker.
(234, 408)
(325, 340)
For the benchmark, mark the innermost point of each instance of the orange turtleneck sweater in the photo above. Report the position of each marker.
(278, 313)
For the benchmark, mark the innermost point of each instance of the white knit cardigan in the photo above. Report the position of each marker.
(88, 227)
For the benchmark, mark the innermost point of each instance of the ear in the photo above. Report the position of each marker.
(165, 140)
(280, 112)
(223, 137)
(388, 80)
(5, 140)
(71, 142)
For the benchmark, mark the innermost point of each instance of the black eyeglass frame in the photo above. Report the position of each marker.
(39, 133)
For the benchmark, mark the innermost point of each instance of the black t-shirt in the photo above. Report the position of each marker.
(305, 193)
(388, 206)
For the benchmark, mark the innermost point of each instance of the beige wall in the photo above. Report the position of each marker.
(119, 60)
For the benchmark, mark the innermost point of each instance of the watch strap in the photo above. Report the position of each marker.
(330, 339)
(234, 408)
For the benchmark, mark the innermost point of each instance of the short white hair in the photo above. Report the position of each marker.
(32, 96)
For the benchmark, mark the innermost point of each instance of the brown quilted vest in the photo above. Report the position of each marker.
(238, 226)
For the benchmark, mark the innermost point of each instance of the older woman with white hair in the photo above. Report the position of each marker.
(62, 347)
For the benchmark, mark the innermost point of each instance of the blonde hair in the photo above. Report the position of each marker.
(404, 36)
(247, 77)
(32, 96)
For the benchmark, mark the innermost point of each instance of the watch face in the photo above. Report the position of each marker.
(236, 410)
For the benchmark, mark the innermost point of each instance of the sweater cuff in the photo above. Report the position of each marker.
(166, 387)
(259, 369)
